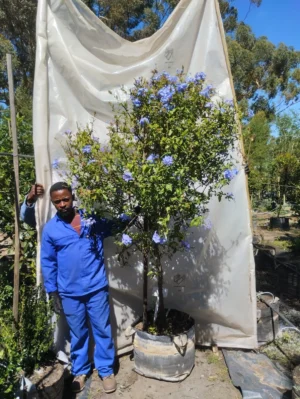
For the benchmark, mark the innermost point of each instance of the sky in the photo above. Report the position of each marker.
(279, 20)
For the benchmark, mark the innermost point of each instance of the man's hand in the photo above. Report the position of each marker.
(55, 302)
(247, 169)
(36, 191)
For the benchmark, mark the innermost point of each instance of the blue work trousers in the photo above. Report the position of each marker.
(95, 307)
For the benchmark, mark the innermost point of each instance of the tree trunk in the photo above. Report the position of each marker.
(145, 281)
(161, 316)
(145, 292)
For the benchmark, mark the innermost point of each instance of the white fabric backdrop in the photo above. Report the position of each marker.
(78, 60)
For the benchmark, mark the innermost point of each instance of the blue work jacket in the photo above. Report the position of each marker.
(73, 264)
(27, 213)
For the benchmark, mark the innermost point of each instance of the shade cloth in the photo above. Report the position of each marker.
(78, 61)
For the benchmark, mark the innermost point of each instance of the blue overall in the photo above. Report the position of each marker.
(73, 265)
(27, 213)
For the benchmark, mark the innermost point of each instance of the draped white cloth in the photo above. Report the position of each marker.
(78, 61)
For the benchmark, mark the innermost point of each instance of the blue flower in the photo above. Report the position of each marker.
(209, 105)
(91, 161)
(186, 245)
(172, 79)
(68, 132)
(156, 77)
(136, 102)
(230, 173)
(190, 79)
(104, 169)
(142, 91)
(200, 76)
(207, 224)
(158, 239)
(230, 196)
(144, 121)
(86, 149)
(127, 176)
(181, 87)
(250, 113)
(151, 158)
(95, 138)
(124, 217)
(89, 221)
(126, 239)
(102, 149)
(207, 91)
(166, 94)
(167, 160)
(55, 163)
(229, 102)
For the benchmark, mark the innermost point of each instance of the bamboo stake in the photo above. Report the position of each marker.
(16, 173)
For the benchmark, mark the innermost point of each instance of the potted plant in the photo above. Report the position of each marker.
(168, 153)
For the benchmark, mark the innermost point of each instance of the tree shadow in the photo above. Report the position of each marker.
(195, 282)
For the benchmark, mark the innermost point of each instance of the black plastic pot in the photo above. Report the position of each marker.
(164, 357)
(280, 223)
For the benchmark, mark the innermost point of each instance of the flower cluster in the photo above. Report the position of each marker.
(229, 174)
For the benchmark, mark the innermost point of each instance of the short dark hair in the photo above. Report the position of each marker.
(61, 185)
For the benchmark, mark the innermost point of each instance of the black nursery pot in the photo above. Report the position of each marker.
(280, 223)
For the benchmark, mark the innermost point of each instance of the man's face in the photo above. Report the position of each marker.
(63, 202)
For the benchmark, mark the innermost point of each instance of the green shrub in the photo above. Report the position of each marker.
(26, 345)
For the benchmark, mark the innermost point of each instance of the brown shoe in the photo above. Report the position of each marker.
(78, 383)
(109, 383)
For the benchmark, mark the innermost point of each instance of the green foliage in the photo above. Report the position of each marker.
(26, 345)
(168, 153)
(135, 19)
(261, 71)
(7, 195)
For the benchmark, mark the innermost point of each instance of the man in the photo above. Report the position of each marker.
(27, 212)
(72, 263)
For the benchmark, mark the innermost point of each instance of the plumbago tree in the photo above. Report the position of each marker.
(169, 152)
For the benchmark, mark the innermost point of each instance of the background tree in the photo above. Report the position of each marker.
(262, 72)
(257, 137)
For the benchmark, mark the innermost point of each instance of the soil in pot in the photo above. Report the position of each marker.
(169, 357)
(49, 382)
(176, 323)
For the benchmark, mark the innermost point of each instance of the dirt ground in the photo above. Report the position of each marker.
(209, 380)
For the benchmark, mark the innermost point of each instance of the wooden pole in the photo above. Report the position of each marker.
(16, 173)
